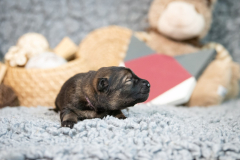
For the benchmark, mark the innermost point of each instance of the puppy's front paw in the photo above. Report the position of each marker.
(69, 124)
(120, 116)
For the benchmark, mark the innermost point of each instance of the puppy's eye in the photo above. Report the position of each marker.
(128, 79)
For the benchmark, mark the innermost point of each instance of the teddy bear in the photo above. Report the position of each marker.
(219, 81)
(176, 28)
(178, 25)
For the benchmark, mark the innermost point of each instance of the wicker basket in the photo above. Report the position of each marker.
(40, 86)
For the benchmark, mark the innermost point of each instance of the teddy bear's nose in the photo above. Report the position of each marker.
(180, 20)
(183, 9)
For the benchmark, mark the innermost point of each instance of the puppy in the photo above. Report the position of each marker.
(96, 94)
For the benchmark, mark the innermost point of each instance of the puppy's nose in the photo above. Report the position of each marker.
(146, 83)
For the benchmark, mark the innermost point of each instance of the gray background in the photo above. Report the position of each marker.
(56, 19)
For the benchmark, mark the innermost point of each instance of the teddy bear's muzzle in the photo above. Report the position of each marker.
(181, 21)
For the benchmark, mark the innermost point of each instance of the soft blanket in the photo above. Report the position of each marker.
(149, 132)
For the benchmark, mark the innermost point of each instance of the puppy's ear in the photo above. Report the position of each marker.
(102, 84)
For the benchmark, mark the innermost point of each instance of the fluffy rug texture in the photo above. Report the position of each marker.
(149, 132)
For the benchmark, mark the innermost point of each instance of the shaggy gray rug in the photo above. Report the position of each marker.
(149, 132)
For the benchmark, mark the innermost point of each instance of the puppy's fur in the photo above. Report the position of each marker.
(96, 94)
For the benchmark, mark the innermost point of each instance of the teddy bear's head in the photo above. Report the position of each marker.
(181, 19)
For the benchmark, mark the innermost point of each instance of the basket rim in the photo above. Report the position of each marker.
(22, 69)
(77, 60)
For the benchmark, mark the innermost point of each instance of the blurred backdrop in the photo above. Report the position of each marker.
(76, 18)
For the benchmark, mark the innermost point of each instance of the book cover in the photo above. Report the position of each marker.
(164, 73)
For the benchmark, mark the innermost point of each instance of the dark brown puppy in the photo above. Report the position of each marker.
(96, 94)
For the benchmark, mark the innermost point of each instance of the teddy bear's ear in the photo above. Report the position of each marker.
(211, 2)
(155, 11)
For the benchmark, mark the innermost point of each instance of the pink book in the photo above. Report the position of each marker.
(170, 82)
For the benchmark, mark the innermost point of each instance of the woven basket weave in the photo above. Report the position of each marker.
(103, 47)
(40, 86)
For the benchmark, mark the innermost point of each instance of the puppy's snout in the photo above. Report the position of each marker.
(146, 83)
